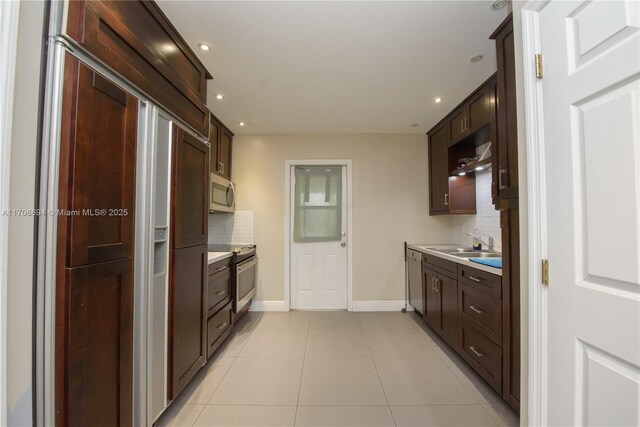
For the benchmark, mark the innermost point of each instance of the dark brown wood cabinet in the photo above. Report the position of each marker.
(438, 170)
(94, 271)
(137, 40)
(221, 148)
(189, 261)
(506, 147)
(219, 304)
(447, 195)
(441, 299)
(506, 198)
(187, 315)
(472, 115)
(190, 196)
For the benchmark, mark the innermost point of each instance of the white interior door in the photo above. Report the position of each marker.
(591, 96)
(318, 237)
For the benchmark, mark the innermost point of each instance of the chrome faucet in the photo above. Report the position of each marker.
(489, 245)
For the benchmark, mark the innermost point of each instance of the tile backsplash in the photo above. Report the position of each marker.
(234, 229)
(487, 219)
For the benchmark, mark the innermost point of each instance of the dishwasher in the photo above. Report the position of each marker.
(414, 276)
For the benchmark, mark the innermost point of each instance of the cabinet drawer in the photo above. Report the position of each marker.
(218, 328)
(483, 312)
(484, 356)
(481, 280)
(218, 291)
(219, 267)
(448, 268)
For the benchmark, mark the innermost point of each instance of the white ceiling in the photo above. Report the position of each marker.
(338, 67)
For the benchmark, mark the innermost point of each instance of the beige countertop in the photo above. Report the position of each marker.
(432, 249)
(218, 256)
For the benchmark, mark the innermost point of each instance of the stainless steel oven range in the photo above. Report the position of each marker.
(244, 268)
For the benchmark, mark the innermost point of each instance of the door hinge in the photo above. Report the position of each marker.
(545, 271)
(539, 72)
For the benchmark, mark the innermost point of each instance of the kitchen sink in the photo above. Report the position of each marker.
(476, 254)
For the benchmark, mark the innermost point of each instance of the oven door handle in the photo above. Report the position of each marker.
(245, 265)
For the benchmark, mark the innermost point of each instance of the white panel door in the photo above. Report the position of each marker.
(319, 244)
(591, 100)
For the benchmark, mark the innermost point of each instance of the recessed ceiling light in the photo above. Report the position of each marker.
(220, 96)
(476, 58)
(499, 4)
(438, 100)
(462, 174)
(240, 123)
(480, 168)
(204, 46)
(415, 125)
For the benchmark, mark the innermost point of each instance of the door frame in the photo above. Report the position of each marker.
(9, 19)
(537, 222)
(288, 167)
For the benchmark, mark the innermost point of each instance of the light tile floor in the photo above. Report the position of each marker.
(337, 368)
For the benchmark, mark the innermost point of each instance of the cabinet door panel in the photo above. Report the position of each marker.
(479, 110)
(190, 191)
(224, 157)
(448, 293)
(457, 124)
(507, 114)
(432, 299)
(214, 141)
(187, 350)
(438, 173)
(97, 167)
(94, 342)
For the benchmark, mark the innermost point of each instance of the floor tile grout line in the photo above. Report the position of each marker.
(304, 358)
(378, 375)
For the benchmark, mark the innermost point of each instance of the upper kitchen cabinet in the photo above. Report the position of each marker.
(471, 116)
(506, 150)
(137, 40)
(447, 195)
(221, 147)
(190, 194)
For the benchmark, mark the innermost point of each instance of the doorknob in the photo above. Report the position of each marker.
(343, 244)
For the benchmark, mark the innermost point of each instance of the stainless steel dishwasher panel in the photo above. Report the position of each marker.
(414, 268)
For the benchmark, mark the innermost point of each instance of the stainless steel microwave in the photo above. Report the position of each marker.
(223, 195)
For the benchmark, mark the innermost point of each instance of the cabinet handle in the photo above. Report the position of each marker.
(446, 199)
(433, 284)
(221, 268)
(475, 279)
(437, 285)
(476, 309)
(222, 325)
(221, 167)
(475, 350)
(501, 174)
(220, 293)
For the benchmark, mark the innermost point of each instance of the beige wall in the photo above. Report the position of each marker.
(389, 204)
(21, 229)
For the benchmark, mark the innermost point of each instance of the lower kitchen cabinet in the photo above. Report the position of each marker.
(219, 304)
(187, 316)
(441, 299)
(219, 328)
(464, 306)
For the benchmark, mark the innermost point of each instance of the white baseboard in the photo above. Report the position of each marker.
(357, 306)
(379, 306)
(269, 306)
